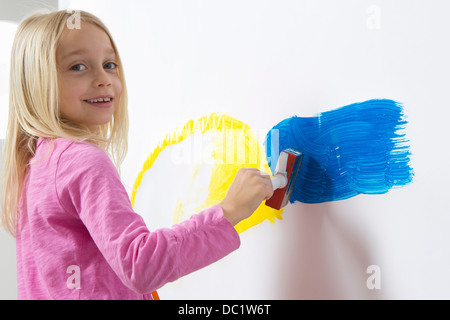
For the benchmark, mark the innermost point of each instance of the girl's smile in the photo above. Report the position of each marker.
(101, 101)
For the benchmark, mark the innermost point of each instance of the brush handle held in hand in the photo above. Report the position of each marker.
(284, 177)
(279, 181)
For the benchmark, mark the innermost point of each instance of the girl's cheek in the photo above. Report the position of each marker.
(118, 88)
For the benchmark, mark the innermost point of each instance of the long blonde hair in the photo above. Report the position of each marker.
(34, 108)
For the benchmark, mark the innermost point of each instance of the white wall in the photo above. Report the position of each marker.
(264, 61)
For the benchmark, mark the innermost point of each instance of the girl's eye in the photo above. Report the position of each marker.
(110, 65)
(78, 67)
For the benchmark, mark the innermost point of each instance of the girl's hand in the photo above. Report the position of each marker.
(249, 188)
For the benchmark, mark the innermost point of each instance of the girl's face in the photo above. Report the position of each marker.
(89, 86)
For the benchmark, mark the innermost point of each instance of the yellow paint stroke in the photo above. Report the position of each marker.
(235, 146)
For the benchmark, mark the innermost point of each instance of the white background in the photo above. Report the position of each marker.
(264, 61)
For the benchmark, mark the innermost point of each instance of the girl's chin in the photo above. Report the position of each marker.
(96, 126)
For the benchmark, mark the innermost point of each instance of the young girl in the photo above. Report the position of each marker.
(76, 233)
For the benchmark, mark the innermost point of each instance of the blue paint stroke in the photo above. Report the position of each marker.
(355, 149)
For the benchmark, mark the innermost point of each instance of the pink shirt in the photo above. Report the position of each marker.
(79, 238)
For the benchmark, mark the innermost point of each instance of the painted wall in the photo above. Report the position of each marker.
(261, 62)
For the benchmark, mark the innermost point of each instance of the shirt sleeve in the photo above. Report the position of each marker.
(88, 186)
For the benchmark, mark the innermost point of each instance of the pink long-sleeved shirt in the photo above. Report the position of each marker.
(79, 238)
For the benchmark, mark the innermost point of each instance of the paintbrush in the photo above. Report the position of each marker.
(283, 180)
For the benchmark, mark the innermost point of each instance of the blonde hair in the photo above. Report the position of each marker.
(34, 109)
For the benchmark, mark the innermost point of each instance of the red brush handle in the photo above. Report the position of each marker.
(277, 198)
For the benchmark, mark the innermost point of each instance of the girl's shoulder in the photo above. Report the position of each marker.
(69, 153)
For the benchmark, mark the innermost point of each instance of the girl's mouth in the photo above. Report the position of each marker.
(100, 102)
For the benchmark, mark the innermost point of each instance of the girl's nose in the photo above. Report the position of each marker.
(102, 79)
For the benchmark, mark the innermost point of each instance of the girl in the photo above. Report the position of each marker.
(77, 236)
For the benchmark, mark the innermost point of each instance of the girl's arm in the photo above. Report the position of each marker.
(88, 186)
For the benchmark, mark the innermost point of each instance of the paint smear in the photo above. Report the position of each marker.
(234, 146)
(357, 149)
